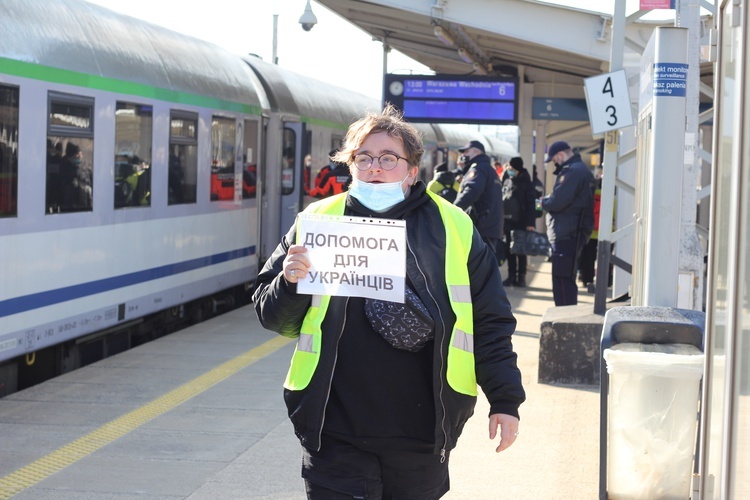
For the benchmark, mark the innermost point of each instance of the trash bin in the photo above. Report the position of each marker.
(653, 415)
(636, 380)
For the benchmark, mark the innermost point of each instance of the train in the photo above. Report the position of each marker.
(145, 176)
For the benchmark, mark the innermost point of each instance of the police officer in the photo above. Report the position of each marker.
(481, 196)
(570, 218)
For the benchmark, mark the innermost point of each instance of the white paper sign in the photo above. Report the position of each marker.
(608, 101)
(354, 256)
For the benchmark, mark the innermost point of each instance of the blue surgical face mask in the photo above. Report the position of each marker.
(378, 197)
(511, 173)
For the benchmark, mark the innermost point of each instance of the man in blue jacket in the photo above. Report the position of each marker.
(570, 219)
(481, 196)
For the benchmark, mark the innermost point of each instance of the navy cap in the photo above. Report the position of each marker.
(473, 144)
(556, 148)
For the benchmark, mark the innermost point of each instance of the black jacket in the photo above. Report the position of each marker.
(519, 198)
(280, 309)
(570, 206)
(481, 196)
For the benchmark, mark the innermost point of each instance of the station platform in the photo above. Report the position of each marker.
(199, 415)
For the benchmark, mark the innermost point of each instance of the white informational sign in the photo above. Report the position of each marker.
(354, 256)
(608, 101)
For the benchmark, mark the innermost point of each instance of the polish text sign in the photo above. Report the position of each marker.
(353, 256)
(608, 101)
(656, 4)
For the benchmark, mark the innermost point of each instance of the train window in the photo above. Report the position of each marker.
(223, 136)
(183, 157)
(133, 137)
(250, 160)
(8, 151)
(70, 154)
(288, 154)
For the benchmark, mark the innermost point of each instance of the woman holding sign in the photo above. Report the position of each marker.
(379, 391)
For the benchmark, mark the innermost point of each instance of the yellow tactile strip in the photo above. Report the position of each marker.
(35, 472)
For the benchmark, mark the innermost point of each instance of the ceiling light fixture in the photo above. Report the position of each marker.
(466, 55)
(443, 36)
(479, 69)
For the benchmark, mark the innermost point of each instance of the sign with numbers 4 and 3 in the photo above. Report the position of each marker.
(609, 102)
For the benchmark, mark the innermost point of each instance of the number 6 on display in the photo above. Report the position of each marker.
(608, 101)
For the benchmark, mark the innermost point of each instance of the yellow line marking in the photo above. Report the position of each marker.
(35, 472)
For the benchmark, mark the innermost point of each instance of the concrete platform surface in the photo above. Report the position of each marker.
(229, 437)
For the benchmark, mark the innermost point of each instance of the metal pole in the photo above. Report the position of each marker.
(690, 294)
(386, 50)
(604, 248)
(274, 57)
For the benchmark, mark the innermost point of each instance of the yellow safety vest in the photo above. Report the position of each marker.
(461, 373)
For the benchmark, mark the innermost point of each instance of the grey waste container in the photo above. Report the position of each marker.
(651, 366)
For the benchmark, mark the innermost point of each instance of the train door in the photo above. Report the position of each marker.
(292, 182)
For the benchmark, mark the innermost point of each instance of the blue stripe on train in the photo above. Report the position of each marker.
(36, 300)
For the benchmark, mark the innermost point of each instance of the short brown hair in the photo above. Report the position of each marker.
(391, 121)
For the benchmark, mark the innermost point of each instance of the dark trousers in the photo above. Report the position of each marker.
(587, 262)
(342, 471)
(564, 257)
(516, 263)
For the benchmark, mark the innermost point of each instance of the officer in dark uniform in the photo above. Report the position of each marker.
(481, 196)
(570, 219)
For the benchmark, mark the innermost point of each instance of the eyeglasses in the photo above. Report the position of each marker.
(387, 161)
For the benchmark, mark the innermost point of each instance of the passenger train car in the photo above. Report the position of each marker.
(144, 177)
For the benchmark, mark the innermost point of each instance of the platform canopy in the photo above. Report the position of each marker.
(551, 46)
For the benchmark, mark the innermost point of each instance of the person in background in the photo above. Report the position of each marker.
(570, 219)
(518, 206)
(372, 403)
(318, 183)
(76, 180)
(444, 182)
(461, 166)
(335, 180)
(481, 196)
(500, 169)
(55, 177)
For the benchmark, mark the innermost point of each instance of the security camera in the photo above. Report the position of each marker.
(308, 19)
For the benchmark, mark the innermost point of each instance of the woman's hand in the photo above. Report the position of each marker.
(296, 264)
(508, 429)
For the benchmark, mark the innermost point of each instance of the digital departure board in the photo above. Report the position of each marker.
(454, 98)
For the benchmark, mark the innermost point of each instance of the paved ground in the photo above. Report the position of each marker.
(221, 430)
(556, 455)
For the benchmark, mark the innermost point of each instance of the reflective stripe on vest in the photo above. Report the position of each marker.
(461, 373)
(458, 233)
(307, 354)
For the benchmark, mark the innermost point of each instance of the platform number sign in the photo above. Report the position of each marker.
(608, 101)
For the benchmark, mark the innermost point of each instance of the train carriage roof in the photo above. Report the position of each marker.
(458, 135)
(499, 147)
(429, 136)
(307, 97)
(84, 38)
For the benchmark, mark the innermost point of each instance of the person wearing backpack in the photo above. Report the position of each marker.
(519, 198)
(444, 182)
